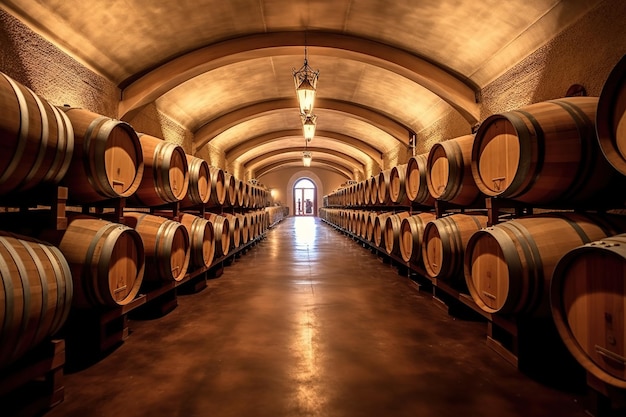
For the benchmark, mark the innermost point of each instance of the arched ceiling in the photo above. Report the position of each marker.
(223, 69)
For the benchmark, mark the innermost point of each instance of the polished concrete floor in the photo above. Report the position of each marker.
(308, 323)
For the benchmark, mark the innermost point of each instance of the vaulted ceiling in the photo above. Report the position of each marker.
(223, 69)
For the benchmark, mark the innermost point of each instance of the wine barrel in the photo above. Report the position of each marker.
(199, 189)
(544, 153)
(244, 228)
(379, 228)
(231, 195)
(450, 171)
(444, 243)
(37, 139)
(392, 232)
(201, 240)
(611, 117)
(239, 192)
(166, 246)
(384, 197)
(416, 181)
(107, 162)
(411, 236)
(166, 173)
(373, 191)
(36, 293)
(106, 259)
(508, 267)
(397, 185)
(587, 298)
(218, 189)
(235, 229)
(221, 233)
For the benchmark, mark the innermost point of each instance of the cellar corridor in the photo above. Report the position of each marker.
(307, 323)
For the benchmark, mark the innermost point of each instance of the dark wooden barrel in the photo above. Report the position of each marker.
(544, 153)
(201, 240)
(450, 171)
(199, 189)
(411, 235)
(397, 185)
(444, 242)
(587, 298)
(107, 162)
(166, 246)
(611, 117)
(166, 173)
(107, 261)
(36, 293)
(37, 139)
(221, 233)
(416, 181)
(393, 225)
(508, 267)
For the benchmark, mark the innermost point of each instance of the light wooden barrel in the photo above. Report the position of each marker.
(411, 235)
(611, 117)
(384, 179)
(231, 195)
(37, 139)
(107, 162)
(199, 189)
(508, 267)
(235, 230)
(393, 225)
(587, 298)
(36, 293)
(240, 189)
(444, 243)
(450, 171)
(397, 185)
(218, 188)
(107, 261)
(166, 173)
(370, 220)
(379, 228)
(416, 181)
(373, 191)
(221, 233)
(166, 246)
(544, 153)
(201, 240)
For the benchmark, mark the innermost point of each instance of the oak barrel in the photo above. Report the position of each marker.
(107, 261)
(379, 228)
(416, 181)
(231, 195)
(384, 179)
(392, 232)
(397, 185)
(199, 189)
(235, 229)
(36, 293)
(373, 191)
(611, 117)
(166, 173)
(444, 243)
(166, 246)
(221, 233)
(508, 267)
(107, 161)
(544, 153)
(243, 226)
(587, 298)
(411, 236)
(201, 240)
(218, 188)
(36, 139)
(449, 171)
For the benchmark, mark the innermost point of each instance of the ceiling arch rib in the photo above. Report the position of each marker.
(359, 145)
(219, 125)
(354, 163)
(294, 154)
(459, 93)
(297, 162)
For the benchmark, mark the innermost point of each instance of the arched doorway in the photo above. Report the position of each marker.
(305, 198)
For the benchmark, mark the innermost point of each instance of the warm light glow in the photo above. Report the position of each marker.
(306, 158)
(305, 80)
(308, 127)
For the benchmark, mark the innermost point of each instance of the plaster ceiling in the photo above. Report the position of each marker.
(222, 69)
